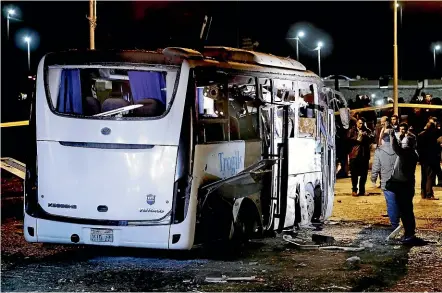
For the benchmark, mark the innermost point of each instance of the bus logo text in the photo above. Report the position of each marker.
(62, 206)
(230, 165)
(151, 211)
(150, 199)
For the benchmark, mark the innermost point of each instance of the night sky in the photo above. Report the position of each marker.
(357, 36)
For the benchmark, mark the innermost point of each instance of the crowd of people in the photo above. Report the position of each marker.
(419, 97)
(398, 151)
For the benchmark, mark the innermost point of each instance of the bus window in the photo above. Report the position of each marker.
(307, 113)
(283, 90)
(94, 91)
(213, 110)
(243, 108)
(265, 85)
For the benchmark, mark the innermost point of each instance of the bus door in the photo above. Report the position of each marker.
(331, 158)
(277, 128)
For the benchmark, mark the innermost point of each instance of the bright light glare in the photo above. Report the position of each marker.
(11, 11)
(320, 44)
(301, 34)
(437, 47)
(27, 39)
(373, 95)
(379, 102)
(397, 5)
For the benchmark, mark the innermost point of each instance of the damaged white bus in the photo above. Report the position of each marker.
(174, 148)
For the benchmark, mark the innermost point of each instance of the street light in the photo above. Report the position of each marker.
(28, 40)
(436, 48)
(400, 13)
(319, 57)
(8, 16)
(300, 35)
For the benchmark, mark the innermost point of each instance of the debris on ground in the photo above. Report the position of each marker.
(298, 245)
(367, 244)
(225, 279)
(336, 287)
(343, 248)
(290, 240)
(394, 233)
(319, 239)
(353, 261)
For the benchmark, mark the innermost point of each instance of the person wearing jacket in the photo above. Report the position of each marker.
(402, 181)
(360, 139)
(383, 166)
(429, 151)
(395, 122)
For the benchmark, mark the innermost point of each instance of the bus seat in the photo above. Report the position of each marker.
(92, 106)
(113, 103)
(151, 108)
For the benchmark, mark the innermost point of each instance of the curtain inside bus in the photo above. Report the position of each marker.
(69, 97)
(147, 85)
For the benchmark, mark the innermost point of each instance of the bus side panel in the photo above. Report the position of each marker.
(185, 229)
(211, 162)
(218, 161)
(304, 174)
(303, 156)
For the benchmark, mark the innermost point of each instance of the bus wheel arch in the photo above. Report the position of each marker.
(246, 219)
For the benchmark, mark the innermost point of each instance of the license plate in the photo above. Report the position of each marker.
(102, 235)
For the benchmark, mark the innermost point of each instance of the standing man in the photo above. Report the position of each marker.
(395, 122)
(402, 181)
(385, 124)
(383, 166)
(360, 138)
(429, 152)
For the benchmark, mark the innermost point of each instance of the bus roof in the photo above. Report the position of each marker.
(175, 56)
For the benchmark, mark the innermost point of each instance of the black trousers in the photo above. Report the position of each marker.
(404, 198)
(428, 176)
(359, 172)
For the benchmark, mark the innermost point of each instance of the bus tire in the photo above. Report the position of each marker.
(318, 204)
(246, 224)
(309, 194)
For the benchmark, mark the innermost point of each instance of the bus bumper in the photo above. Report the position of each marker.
(45, 231)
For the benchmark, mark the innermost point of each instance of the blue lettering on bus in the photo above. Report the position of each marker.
(229, 166)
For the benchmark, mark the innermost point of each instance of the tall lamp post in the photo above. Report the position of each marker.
(399, 6)
(10, 12)
(319, 57)
(28, 41)
(436, 48)
(92, 23)
(395, 63)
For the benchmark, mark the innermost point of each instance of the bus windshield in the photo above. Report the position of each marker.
(110, 92)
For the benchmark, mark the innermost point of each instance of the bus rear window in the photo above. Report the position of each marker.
(111, 92)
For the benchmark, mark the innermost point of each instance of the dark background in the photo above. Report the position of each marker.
(357, 36)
